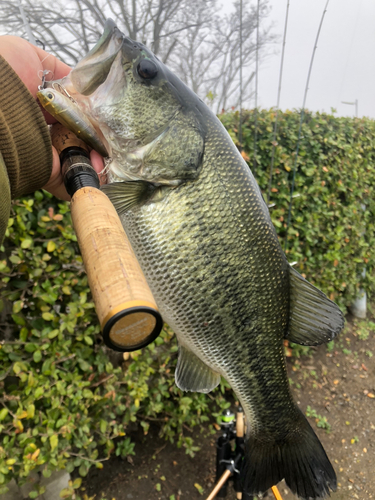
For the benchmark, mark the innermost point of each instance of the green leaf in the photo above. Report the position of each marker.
(54, 441)
(103, 426)
(24, 333)
(15, 259)
(83, 470)
(3, 413)
(37, 356)
(77, 483)
(53, 334)
(26, 243)
(51, 246)
(17, 368)
(31, 347)
(330, 237)
(31, 411)
(17, 306)
(18, 319)
(47, 316)
(38, 392)
(66, 492)
(84, 365)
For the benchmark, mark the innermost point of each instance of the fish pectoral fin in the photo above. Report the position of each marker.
(314, 319)
(194, 375)
(125, 195)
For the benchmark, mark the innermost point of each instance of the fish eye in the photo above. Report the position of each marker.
(147, 69)
(50, 96)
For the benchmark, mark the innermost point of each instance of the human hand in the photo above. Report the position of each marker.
(29, 62)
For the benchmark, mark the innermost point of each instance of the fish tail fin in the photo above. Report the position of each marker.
(299, 458)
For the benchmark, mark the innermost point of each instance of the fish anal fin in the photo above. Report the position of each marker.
(129, 194)
(194, 375)
(314, 318)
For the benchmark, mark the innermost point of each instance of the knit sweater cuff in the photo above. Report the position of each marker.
(25, 141)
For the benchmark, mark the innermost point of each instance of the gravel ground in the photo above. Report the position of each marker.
(335, 385)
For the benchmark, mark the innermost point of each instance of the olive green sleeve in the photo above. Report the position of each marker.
(25, 143)
(4, 198)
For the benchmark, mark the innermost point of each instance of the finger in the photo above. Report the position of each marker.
(55, 185)
(29, 62)
(98, 164)
(22, 58)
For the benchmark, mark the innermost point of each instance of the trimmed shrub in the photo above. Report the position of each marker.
(66, 402)
(330, 236)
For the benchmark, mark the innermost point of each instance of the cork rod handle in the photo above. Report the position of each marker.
(125, 306)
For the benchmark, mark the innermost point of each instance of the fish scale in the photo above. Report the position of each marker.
(224, 231)
(204, 238)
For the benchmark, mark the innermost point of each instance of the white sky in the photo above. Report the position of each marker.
(344, 64)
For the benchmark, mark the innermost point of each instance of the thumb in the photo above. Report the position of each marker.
(56, 185)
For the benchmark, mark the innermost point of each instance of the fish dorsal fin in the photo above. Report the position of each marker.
(125, 195)
(194, 375)
(314, 319)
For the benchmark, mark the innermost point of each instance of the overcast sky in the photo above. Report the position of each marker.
(344, 65)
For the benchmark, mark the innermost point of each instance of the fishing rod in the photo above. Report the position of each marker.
(229, 462)
(127, 312)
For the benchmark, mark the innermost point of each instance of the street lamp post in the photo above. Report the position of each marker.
(359, 306)
(355, 103)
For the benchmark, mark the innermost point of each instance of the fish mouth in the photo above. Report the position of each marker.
(94, 68)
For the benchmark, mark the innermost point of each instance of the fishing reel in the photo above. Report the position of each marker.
(229, 457)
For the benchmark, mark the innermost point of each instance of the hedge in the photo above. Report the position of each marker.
(331, 237)
(66, 401)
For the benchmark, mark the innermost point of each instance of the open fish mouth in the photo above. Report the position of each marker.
(116, 86)
(93, 70)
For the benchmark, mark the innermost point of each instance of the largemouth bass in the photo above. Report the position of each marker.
(204, 238)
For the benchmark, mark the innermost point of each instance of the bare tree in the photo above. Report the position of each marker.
(208, 57)
(198, 43)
